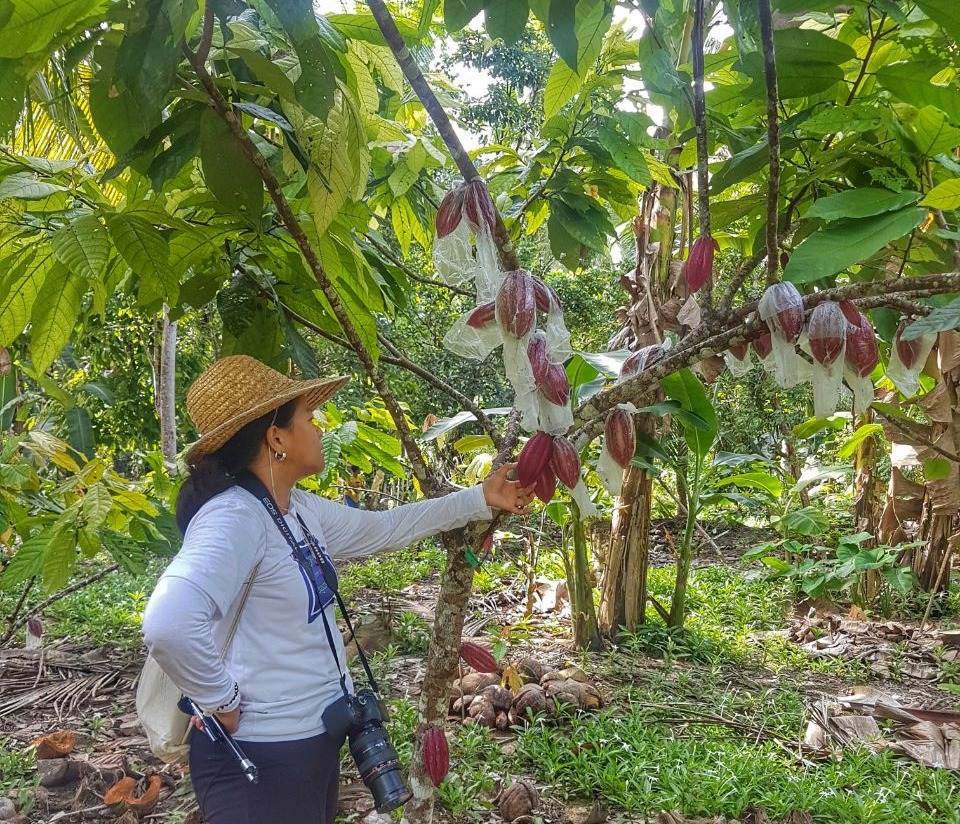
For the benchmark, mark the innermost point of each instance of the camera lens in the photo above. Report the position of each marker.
(379, 768)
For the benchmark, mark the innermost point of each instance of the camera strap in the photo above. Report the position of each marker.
(255, 487)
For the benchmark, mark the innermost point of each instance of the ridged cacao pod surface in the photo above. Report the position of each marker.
(480, 658)
(641, 360)
(621, 437)
(534, 456)
(450, 212)
(827, 332)
(907, 350)
(740, 351)
(862, 353)
(537, 352)
(546, 298)
(555, 386)
(478, 206)
(436, 755)
(782, 308)
(763, 346)
(516, 305)
(483, 315)
(850, 312)
(699, 265)
(565, 462)
(545, 487)
(519, 799)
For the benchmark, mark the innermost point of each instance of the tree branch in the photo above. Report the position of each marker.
(386, 252)
(431, 483)
(508, 257)
(773, 139)
(914, 435)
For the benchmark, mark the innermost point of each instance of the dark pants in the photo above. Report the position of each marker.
(298, 781)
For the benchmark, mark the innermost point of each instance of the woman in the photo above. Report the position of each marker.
(270, 684)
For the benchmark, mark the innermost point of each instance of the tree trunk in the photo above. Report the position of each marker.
(586, 634)
(167, 389)
(866, 512)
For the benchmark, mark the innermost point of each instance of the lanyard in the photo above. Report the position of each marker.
(255, 487)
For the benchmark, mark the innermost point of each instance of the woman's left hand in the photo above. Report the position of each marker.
(501, 492)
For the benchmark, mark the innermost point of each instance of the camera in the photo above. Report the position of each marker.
(360, 718)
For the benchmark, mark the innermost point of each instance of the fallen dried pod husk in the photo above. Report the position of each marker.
(123, 795)
(531, 669)
(532, 698)
(482, 711)
(473, 682)
(500, 697)
(519, 799)
(55, 744)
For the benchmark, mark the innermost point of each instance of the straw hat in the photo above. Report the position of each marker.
(239, 389)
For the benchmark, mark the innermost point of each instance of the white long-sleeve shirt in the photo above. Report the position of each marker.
(279, 656)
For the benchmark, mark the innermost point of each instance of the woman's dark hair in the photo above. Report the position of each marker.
(216, 472)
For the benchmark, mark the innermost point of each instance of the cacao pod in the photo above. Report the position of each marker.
(519, 799)
(862, 353)
(827, 332)
(621, 437)
(556, 387)
(436, 755)
(478, 657)
(516, 305)
(565, 462)
(699, 266)
(641, 359)
(907, 350)
(545, 487)
(483, 315)
(537, 352)
(546, 298)
(534, 456)
(781, 307)
(763, 346)
(740, 351)
(478, 207)
(850, 312)
(450, 212)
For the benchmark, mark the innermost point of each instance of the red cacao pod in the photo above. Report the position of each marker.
(436, 755)
(483, 315)
(556, 387)
(450, 212)
(478, 206)
(642, 359)
(782, 308)
(763, 346)
(480, 658)
(862, 353)
(784, 260)
(537, 352)
(827, 332)
(565, 462)
(546, 298)
(621, 437)
(907, 350)
(850, 312)
(516, 304)
(545, 486)
(740, 351)
(534, 456)
(699, 265)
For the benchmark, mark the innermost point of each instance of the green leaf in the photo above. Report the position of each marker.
(83, 246)
(227, 171)
(364, 27)
(562, 84)
(849, 446)
(856, 203)
(506, 19)
(946, 13)
(910, 82)
(562, 30)
(96, 506)
(124, 550)
(59, 557)
(932, 132)
(18, 291)
(445, 425)
(685, 387)
(945, 197)
(808, 522)
(80, 434)
(937, 469)
(300, 352)
(941, 319)
(55, 314)
(330, 181)
(564, 246)
(809, 428)
(25, 186)
(34, 24)
(585, 228)
(473, 443)
(458, 13)
(808, 62)
(840, 245)
(626, 157)
(755, 480)
(27, 560)
(146, 252)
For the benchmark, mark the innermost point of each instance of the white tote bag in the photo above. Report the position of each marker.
(166, 727)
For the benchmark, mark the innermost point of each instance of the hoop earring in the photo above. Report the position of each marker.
(280, 456)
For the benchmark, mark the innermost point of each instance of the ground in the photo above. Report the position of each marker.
(710, 721)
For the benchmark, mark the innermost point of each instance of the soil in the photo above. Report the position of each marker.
(91, 691)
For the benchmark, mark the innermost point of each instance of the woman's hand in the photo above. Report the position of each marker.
(500, 492)
(230, 720)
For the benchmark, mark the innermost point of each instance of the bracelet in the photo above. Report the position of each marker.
(233, 703)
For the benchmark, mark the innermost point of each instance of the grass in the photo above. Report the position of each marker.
(17, 775)
(393, 571)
